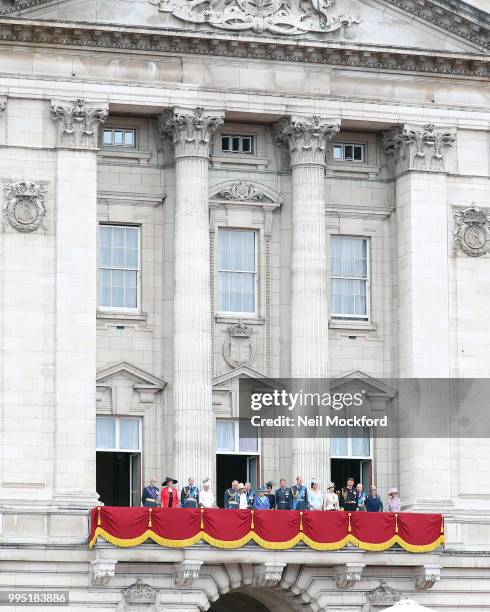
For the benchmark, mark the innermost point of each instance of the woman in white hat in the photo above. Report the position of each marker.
(394, 502)
(315, 496)
(331, 501)
(206, 496)
(243, 496)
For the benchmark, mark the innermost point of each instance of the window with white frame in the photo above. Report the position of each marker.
(119, 267)
(119, 137)
(236, 143)
(349, 278)
(348, 152)
(236, 437)
(352, 443)
(121, 434)
(237, 271)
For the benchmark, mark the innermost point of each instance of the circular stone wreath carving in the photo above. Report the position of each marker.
(25, 205)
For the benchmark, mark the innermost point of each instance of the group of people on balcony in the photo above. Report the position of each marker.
(240, 496)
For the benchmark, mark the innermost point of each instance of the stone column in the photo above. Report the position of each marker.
(419, 158)
(305, 139)
(191, 132)
(75, 297)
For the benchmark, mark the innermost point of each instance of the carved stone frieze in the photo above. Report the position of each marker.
(268, 574)
(414, 147)
(383, 594)
(306, 138)
(276, 16)
(78, 123)
(346, 576)
(203, 43)
(140, 593)
(190, 130)
(186, 572)
(472, 232)
(25, 205)
(427, 576)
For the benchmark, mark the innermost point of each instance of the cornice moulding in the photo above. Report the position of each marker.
(156, 40)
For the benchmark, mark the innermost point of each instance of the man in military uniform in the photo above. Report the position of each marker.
(348, 497)
(189, 496)
(149, 497)
(283, 496)
(299, 495)
(232, 496)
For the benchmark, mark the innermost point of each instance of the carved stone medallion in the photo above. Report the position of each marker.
(25, 205)
(472, 233)
(276, 16)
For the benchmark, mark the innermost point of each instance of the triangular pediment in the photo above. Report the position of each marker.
(242, 372)
(372, 386)
(136, 377)
(442, 25)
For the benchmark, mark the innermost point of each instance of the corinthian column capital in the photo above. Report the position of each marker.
(418, 147)
(190, 130)
(306, 138)
(78, 122)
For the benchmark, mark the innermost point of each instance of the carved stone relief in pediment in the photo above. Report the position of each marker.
(286, 17)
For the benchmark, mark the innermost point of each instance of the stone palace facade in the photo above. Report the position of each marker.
(194, 192)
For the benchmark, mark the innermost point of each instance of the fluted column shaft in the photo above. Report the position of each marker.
(191, 132)
(306, 140)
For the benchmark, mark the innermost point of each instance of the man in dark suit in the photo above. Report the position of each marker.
(149, 497)
(283, 496)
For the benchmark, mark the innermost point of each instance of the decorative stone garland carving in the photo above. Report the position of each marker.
(25, 205)
(140, 593)
(472, 233)
(383, 594)
(276, 16)
(190, 130)
(418, 147)
(78, 123)
(346, 576)
(241, 190)
(306, 138)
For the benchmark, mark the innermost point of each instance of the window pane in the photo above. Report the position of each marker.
(246, 145)
(106, 432)
(248, 437)
(358, 152)
(224, 291)
(118, 137)
(235, 292)
(337, 151)
(224, 262)
(225, 435)
(235, 144)
(129, 434)
(130, 289)
(338, 442)
(361, 442)
(129, 138)
(107, 137)
(248, 284)
(348, 155)
(225, 143)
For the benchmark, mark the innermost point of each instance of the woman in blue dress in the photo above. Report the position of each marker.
(261, 501)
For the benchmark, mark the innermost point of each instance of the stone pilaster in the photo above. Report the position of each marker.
(419, 158)
(191, 132)
(75, 297)
(306, 139)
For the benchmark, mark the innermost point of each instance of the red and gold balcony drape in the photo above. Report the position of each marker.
(272, 529)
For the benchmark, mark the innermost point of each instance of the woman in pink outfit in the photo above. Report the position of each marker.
(394, 502)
